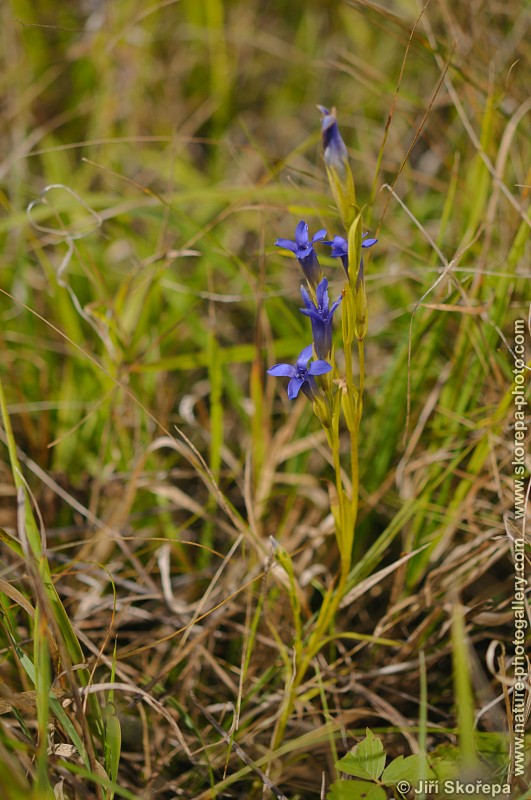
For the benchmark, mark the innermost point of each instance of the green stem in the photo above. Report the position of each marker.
(354, 463)
(345, 521)
(326, 616)
(345, 524)
(361, 355)
(348, 366)
(354, 477)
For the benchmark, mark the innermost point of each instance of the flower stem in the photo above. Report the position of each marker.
(326, 616)
(361, 356)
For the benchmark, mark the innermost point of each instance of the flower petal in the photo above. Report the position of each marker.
(335, 305)
(301, 234)
(313, 314)
(304, 357)
(306, 299)
(319, 235)
(304, 252)
(339, 247)
(294, 387)
(319, 367)
(322, 294)
(287, 244)
(368, 242)
(335, 151)
(282, 370)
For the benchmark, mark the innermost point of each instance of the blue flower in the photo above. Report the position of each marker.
(321, 318)
(335, 150)
(303, 249)
(340, 248)
(302, 376)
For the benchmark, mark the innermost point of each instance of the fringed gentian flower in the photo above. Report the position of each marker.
(335, 150)
(303, 249)
(321, 318)
(338, 168)
(340, 249)
(302, 375)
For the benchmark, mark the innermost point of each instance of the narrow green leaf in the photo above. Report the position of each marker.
(69, 729)
(464, 699)
(113, 744)
(42, 698)
(5, 538)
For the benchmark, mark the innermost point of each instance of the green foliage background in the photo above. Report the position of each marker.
(150, 156)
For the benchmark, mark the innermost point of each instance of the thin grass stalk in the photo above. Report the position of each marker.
(31, 532)
(41, 658)
(464, 699)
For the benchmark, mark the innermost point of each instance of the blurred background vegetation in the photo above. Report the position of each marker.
(150, 156)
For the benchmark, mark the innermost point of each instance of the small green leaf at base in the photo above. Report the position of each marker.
(355, 790)
(410, 769)
(366, 760)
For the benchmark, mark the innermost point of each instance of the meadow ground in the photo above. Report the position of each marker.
(179, 615)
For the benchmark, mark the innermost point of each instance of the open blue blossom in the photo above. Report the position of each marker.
(340, 248)
(321, 318)
(303, 249)
(302, 375)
